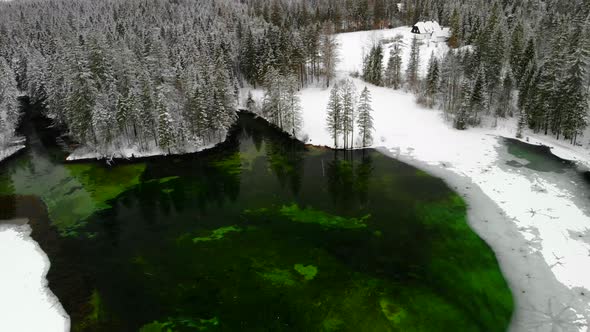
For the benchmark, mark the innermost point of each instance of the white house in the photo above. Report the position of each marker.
(427, 27)
(431, 30)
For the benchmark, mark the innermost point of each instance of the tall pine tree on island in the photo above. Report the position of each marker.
(334, 114)
(365, 118)
(348, 97)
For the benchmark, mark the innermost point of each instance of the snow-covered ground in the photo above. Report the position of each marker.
(128, 152)
(26, 303)
(7, 152)
(539, 231)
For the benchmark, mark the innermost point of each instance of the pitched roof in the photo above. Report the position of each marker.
(428, 26)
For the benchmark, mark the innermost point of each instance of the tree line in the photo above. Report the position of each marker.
(166, 73)
(9, 110)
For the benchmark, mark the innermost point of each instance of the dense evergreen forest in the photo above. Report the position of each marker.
(166, 74)
(527, 59)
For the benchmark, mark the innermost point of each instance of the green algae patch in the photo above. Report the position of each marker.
(231, 165)
(308, 272)
(393, 313)
(182, 324)
(278, 277)
(93, 188)
(312, 216)
(103, 183)
(332, 324)
(163, 180)
(217, 234)
(465, 269)
(96, 313)
(73, 192)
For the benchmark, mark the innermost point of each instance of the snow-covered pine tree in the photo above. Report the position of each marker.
(80, 104)
(450, 86)
(329, 53)
(348, 100)
(365, 118)
(525, 60)
(464, 113)
(505, 100)
(334, 114)
(292, 105)
(576, 100)
(393, 75)
(478, 100)
(272, 106)
(521, 124)
(165, 133)
(432, 80)
(455, 21)
(516, 50)
(373, 65)
(413, 64)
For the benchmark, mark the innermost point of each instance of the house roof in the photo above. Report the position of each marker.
(428, 26)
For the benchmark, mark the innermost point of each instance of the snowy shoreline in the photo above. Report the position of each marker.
(23, 283)
(134, 153)
(539, 297)
(11, 151)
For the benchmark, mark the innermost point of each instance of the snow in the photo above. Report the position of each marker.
(84, 152)
(532, 220)
(26, 303)
(9, 151)
(354, 46)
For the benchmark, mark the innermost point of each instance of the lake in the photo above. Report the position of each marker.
(261, 233)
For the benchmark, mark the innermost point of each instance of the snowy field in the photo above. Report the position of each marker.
(531, 220)
(26, 303)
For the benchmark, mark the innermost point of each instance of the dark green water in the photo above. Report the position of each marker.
(536, 157)
(259, 234)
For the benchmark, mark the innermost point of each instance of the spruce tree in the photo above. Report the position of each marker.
(334, 114)
(413, 64)
(478, 100)
(432, 81)
(455, 39)
(373, 65)
(165, 135)
(516, 49)
(393, 76)
(464, 113)
(365, 118)
(347, 97)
